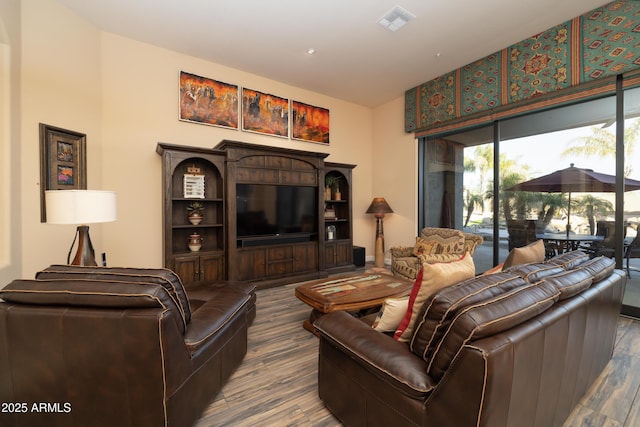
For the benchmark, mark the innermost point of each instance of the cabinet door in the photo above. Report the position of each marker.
(329, 255)
(188, 268)
(337, 254)
(212, 267)
(343, 253)
(251, 264)
(305, 257)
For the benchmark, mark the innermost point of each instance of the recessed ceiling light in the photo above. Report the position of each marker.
(396, 18)
(311, 51)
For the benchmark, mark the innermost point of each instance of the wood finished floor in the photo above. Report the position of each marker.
(276, 384)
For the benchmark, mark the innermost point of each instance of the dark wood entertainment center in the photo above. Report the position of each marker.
(266, 260)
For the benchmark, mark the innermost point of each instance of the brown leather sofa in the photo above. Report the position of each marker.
(516, 348)
(87, 346)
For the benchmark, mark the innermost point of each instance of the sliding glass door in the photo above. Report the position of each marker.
(601, 220)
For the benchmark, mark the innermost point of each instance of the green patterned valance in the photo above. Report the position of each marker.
(563, 64)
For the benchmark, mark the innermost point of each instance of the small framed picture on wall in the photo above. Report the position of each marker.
(63, 162)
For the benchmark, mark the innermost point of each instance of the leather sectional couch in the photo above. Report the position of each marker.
(93, 346)
(514, 348)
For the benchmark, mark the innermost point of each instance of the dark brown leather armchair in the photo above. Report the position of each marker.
(126, 347)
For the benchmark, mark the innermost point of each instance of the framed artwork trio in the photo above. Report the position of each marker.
(215, 103)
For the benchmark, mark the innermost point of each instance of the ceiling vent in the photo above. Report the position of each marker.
(396, 18)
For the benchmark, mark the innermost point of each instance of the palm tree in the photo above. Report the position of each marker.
(590, 206)
(481, 162)
(514, 203)
(550, 204)
(473, 201)
(602, 143)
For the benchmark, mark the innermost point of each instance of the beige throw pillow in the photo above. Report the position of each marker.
(391, 314)
(423, 247)
(434, 278)
(533, 252)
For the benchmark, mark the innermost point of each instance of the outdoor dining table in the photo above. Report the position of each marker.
(563, 242)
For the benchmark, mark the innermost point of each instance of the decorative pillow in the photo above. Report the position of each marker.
(434, 277)
(412, 299)
(391, 314)
(448, 240)
(496, 269)
(423, 247)
(533, 252)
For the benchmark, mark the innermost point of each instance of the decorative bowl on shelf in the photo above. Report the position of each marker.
(195, 217)
(194, 212)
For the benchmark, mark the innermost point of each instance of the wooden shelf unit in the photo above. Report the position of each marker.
(208, 264)
(338, 252)
(266, 261)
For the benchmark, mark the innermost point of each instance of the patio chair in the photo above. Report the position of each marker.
(607, 245)
(603, 228)
(632, 250)
(521, 232)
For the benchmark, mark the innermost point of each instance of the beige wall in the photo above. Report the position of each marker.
(395, 174)
(123, 94)
(61, 74)
(140, 95)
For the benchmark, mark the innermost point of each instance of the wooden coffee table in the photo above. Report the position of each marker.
(350, 292)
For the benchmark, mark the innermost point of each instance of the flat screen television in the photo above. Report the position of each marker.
(275, 210)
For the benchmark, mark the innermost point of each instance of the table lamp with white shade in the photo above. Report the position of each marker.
(81, 207)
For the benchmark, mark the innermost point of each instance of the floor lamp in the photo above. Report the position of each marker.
(379, 207)
(80, 207)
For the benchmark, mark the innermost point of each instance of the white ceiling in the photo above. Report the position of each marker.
(356, 59)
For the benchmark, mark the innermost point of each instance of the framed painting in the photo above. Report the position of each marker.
(265, 113)
(207, 101)
(63, 162)
(310, 123)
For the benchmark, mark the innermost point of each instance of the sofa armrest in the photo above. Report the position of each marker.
(401, 251)
(380, 354)
(213, 316)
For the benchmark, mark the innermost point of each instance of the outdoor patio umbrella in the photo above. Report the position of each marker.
(576, 180)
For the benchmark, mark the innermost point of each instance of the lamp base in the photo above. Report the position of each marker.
(379, 251)
(85, 254)
(379, 247)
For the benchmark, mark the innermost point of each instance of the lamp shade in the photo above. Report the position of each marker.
(379, 206)
(80, 206)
